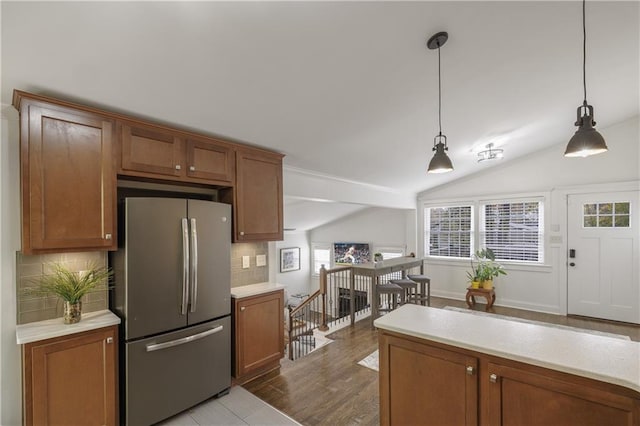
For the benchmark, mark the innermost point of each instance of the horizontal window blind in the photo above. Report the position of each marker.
(514, 230)
(448, 231)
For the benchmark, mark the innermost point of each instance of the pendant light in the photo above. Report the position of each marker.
(586, 141)
(440, 163)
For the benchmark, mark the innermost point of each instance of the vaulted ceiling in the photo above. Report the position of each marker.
(347, 90)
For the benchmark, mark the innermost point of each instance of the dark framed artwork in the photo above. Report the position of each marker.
(351, 253)
(289, 259)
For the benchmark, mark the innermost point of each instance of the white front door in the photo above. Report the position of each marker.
(603, 236)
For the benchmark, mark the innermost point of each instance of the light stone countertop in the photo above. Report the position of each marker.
(41, 330)
(607, 359)
(254, 289)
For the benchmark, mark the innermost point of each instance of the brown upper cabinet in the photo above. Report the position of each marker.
(68, 180)
(70, 156)
(258, 196)
(157, 152)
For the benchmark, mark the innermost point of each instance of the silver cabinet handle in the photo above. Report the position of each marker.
(493, 378)
(194, 265)
(241, 233)
(242, 308)
(185, 266)
(469, 370)
(178, 167)
(192, 168)
(178, 342)
(107, 236)
(109, 340)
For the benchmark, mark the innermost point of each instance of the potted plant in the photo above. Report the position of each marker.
(72, 286)
(487, 268)
(377, 257)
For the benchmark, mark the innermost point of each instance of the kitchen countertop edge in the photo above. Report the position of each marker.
(42, 330)
(254, 289)
(607, 359)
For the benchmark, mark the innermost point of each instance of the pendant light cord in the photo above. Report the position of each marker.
(440, 96)
(584, 52)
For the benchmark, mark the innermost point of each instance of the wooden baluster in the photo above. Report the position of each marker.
(290, 331)
(323, 293)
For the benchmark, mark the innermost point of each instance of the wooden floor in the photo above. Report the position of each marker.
(328, 387)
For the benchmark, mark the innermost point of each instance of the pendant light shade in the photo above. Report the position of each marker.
(440, 163)
(586, 141)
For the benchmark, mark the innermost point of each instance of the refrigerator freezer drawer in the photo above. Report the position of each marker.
(169, 373)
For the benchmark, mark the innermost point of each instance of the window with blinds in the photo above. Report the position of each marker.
(448, 231)
(514, 231)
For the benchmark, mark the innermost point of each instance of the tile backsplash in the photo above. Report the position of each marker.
(254, 274)
(37, 308)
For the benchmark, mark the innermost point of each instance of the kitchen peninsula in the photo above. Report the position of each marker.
(456, 368)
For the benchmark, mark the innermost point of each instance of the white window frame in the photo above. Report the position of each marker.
(320, 246)
(541, 228)
(427, 231)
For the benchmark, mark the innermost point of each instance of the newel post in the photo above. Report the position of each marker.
(323, 293)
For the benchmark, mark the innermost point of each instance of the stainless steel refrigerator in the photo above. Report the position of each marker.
(172, 291)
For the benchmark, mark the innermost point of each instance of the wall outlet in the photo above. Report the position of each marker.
(261, 260)
(245, 262)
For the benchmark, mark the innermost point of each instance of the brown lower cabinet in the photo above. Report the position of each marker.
(258, 334)
(72, 380)
(428, 383)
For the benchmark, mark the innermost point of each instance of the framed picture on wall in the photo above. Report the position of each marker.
(289, 259)
(351, 253)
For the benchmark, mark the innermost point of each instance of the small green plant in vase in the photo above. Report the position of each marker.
(486, 268)
(71, 286)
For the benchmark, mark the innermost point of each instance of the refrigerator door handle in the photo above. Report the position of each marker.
(185, 265)
(178, 342)
(194, 266)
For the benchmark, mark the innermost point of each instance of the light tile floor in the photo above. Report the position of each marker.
(239, 407)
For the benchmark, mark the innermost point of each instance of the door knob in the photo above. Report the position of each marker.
(572, 264)
(493, 378)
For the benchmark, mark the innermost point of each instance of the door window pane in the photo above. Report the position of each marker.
(590, 221)
(606, 215)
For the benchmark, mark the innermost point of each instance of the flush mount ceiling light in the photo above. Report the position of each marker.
(440, 163)
(490, 153)
(586, 141)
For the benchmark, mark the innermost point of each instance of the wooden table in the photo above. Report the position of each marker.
(375, 270)
(489, 294)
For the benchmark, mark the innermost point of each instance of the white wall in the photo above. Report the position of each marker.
(10, 366)
(295, 281)
(380, 227)
(550, 174)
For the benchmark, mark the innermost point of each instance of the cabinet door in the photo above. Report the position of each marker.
(519, 397)
(259, 197)
(149, 151)
(67, 179)
(423, 384)
(259, 332)
(72, 379)
(210, 160)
